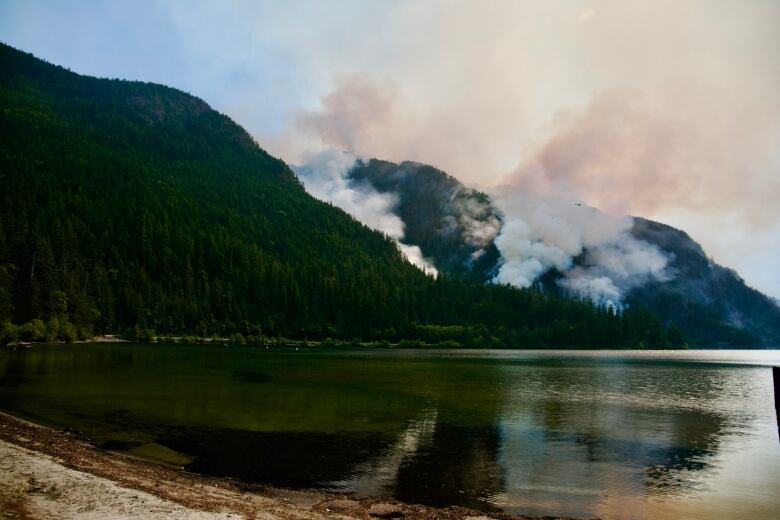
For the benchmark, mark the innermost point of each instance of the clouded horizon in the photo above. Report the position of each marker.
(668, 110)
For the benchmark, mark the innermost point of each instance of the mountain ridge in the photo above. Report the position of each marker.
(712, 303)
(130, 205)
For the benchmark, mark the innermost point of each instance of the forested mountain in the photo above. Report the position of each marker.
(453, 225)
(712, 304)
(128, 204)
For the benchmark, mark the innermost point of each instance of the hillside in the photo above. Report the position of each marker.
(134, 205)
(712, 304)
(440, 215)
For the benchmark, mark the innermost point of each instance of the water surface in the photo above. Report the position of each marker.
(627, 434)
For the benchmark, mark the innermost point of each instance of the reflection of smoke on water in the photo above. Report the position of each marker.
(584, 441)
(379, 474)
(593, 457)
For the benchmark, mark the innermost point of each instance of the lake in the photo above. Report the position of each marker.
(617, 434)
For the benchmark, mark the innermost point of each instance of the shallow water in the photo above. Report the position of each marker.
(627, 434)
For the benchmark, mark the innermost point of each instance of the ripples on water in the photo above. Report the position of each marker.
(684, 434)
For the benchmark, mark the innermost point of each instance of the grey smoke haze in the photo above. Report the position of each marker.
(324, 175)
(629, 152)
(543, 233)
(356, 115)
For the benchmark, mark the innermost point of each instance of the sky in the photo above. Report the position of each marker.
(664, 109)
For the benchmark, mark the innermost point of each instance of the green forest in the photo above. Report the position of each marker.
(130, 206)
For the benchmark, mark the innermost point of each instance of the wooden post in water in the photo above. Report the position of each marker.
(776, 377)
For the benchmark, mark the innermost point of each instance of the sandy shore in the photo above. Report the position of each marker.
(51, 474)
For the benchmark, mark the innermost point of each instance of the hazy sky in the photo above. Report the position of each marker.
(665, 109)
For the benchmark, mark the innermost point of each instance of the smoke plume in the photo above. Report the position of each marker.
(478, 220)
(325, 177)
(595, 253)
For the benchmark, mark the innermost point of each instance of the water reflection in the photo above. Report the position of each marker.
(562, 434)
(378, 475)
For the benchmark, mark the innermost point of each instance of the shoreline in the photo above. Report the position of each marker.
(338, 345)
(239, 341)
(46, 470)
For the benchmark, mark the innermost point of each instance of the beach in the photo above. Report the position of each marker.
(45, 473)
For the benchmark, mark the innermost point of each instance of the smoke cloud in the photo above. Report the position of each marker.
(325, 177)
(666, 110)
(595, 253)
(477, 218)
(356, 115)
(626, 153)
(416, 258)
(375, 118)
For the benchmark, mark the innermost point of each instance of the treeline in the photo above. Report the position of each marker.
(132, 206)
(423, 336)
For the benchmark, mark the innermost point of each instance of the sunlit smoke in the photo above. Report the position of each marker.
(595, 254)
(325, 177)
(415, 257)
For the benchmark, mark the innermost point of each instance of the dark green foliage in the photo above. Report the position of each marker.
(134, 207)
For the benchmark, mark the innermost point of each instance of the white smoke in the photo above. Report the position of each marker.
(474, 220)
(324, 175)
(544, 233)
(477, 219)
(415, 257)
(525, 256)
